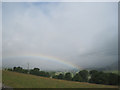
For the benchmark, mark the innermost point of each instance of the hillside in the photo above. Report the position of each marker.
(18, 80)
(111, 67)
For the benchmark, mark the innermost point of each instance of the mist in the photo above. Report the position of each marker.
(84, 34)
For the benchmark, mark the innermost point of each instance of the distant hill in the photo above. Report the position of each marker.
(111, 67)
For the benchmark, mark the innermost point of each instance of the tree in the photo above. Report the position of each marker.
(94, 75)
(14, 68)
(60, 76)
(84, 75)
(36, 69)
(9, 69)
(93, 72)
(113, 79)
(119, 80)
(55, 76)
(77, 77)
(104, 78)
(25, 71)
(18, 69)
(68, 76)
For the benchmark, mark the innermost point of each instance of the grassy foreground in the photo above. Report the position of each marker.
(19, 80)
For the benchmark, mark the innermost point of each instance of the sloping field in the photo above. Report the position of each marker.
(19, 80)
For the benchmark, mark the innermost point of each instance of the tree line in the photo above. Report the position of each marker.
(35, 71)
(93, 76)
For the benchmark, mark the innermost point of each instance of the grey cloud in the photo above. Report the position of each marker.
(84, 34)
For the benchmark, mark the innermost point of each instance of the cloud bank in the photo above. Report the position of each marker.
(85, 34)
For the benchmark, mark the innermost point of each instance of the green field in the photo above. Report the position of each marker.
(19, 80)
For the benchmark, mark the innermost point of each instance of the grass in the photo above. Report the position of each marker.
(19, 80)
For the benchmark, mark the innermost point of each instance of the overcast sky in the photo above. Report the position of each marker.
(84, 34)
(1, 36)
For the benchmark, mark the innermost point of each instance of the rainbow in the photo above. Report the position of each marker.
(45, 57)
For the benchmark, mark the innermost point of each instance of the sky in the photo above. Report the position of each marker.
(61, 35)
(1, 36)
